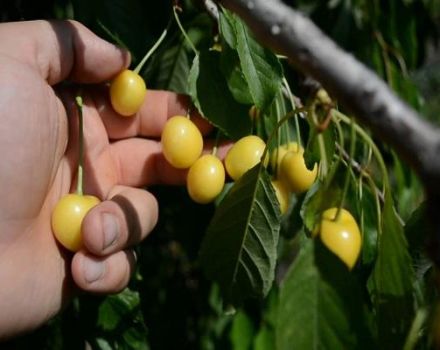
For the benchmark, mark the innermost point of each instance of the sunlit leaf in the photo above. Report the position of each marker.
(227, 28)
(230, 66)
(265, 339)
(242, 331)
(117, 307)
(260, 67)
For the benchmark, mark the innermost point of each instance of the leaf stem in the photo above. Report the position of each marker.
(376, 152)
(347, 174)
(378, 197)
(277, 126)
(216, 142)
(292, 102)
(323, 168)
(79, 185)
(414, 332)
(278, 135)
(152, 50)
(179, 24)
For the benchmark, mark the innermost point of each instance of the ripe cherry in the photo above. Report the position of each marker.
(127, 92)
(244, 155)
(67, 218)
(283, 195)
(277, 155)
(294, 172)
(182, 142)
(206, 179)
(340, 235)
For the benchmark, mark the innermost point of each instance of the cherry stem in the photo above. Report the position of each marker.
(216, 142)
(323, 169)
(79, 186)
(278, 135)
(183, 31)
(375, 150)
(347, 173)
(277, 126)
(152, 50)
(188, 112)
(292, 102)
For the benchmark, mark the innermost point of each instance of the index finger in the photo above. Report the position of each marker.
(62, 49)
(158, 107)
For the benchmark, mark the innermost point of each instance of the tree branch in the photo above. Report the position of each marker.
(212, 8)
(358, 89)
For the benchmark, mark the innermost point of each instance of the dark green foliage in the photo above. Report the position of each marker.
(233, 274)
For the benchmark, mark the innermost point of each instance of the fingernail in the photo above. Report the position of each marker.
(93, 270)
(110, 228)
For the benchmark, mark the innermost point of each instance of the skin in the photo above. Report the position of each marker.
(39, 147)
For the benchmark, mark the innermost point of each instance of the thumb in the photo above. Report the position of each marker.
(61, 50)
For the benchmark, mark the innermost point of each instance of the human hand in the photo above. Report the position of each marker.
(39, 147)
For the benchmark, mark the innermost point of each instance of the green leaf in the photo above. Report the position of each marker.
(270, 118)
(313, 153)
(174, 69)
(322, 304)
(242, 332)
(134, 338)
(211, 95)
(368, 223)
(417, 231)
(265, 339)
(318, 198)
(227, 28)
(392, 279)
(116, 307)
(270, 310)
(125, 19)
(230, 66)
(103, 344)
(260, 66)
(239, 250)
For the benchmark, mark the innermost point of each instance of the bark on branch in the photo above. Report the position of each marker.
(358, 89)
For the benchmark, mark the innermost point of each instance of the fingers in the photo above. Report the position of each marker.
(109, 274)
(62, 49)
(158, 107)
(109, 229)
(123, 220)
(142, 163)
